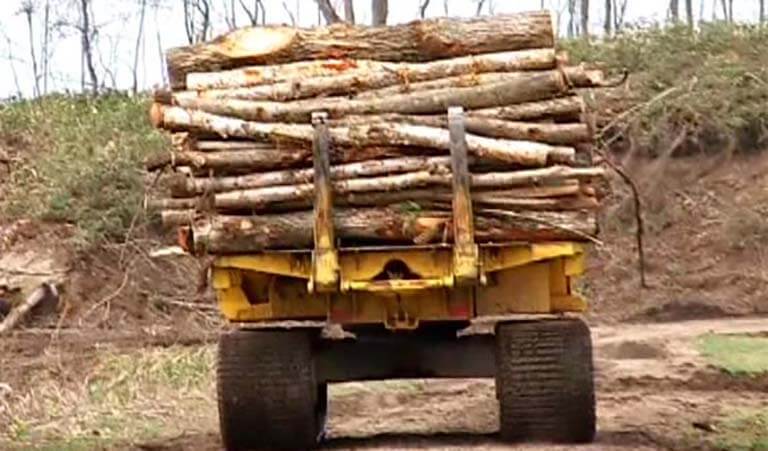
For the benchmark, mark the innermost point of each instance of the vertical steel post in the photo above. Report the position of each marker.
(325, 263)
(465, 252)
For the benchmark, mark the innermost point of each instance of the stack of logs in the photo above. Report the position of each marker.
(240, 110)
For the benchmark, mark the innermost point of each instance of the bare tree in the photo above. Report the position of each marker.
(380, 10)
(87, 35)
(328, 11)
(139, 40)
(46, 44)
(762, 12)
(727, 10)
(674, 11)
(445, 7)
(619, 13)
(253, 12)
(585, 19)
(349, 11)
(423, 8)
(608, 24)
(197, 19)
(28, 9)
(571, 18)
(480, 4)
(11, 62)
(689, 13)
(290, 14)
(230, 14)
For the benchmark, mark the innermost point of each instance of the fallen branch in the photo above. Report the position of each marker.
(45, 292)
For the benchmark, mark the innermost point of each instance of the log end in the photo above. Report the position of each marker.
(253, 42)
(157, 115)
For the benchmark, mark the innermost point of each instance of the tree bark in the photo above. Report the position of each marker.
(320, 79)
(689, 13)
(415, 41)
(551, 133)
(525, 153)
(239, 234)
(349, 12)
(565, 109)
(608, 23)
(517, 88)
(188, 186)
(380, 9)
(585, 19)
(264, 197)
(329, 13)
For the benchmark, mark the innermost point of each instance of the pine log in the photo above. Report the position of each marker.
(568, 109)
(415, 41)
(188, 186)
(526, 153)
(515, 88)
(258, 198)
(239, 234)
(559, 133)
(373, 78)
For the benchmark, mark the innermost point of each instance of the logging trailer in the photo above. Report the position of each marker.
(302, 319)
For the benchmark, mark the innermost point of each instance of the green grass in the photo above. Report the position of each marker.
(719, 78)
(124, 398)
(736, 354)
(79, 162)
(744, 431)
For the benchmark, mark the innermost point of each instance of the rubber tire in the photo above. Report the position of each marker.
(267, 394)
(544, 381)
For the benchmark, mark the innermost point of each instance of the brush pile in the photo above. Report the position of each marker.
(240, 110)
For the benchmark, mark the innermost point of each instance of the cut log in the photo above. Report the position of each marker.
(568, 109)
(515, 88)
(187, 186)
(239, 234)
(361, 79)
(260, 198)
(45, 293)
(525, 153)
(559, 133)
(217, 146)
(415, 41)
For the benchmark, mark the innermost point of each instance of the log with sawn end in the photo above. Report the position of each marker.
(425, 40)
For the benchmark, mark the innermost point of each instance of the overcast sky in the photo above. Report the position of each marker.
(164, 27)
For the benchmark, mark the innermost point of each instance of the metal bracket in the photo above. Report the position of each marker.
(325, 261)
(466, 269)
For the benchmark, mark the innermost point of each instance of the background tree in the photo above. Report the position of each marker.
(689, 13)
(253, 12)
(349, 11)
(28, 10)
(607, 24)
(380, 9)
(423, 8)
(585, 19)
(197, 20)
(328, 11)
(139, 41)
(88, 36)
(674, 11)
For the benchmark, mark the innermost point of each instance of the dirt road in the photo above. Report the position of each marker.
(654, 392)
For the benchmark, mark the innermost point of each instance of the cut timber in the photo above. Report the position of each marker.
(526, 153)
(238, 234)
(259, 198)
(513, 88)
(415, 41)
(551, 133)
(360, 79)
(45, 293)
(562, 109)
(186, 186)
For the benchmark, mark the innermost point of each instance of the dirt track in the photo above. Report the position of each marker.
(652, 388)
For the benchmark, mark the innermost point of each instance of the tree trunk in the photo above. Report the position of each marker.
(565, 109)
(563, 133)
(264, 197)
(525, 153)
(320, 79)
(414, 41)
(329, 13)
(187, 186)
(349, 12)
(674, 11)
(762, 12)
(689, 13)
(242, 234)
(607, 24)
(380, 11)
(585, 19)
(522, 87)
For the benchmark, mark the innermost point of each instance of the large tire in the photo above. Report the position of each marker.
(544, 381)
(268, 395)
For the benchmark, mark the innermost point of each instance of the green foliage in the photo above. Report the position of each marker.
(718, 77)
(744, 431)
(738, 355)
(80, 161)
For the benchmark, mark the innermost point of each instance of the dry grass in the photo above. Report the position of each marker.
(124, 398)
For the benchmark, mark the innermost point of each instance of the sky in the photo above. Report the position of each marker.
(118, 22)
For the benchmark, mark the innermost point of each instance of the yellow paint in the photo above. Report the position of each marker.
(520, 279)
